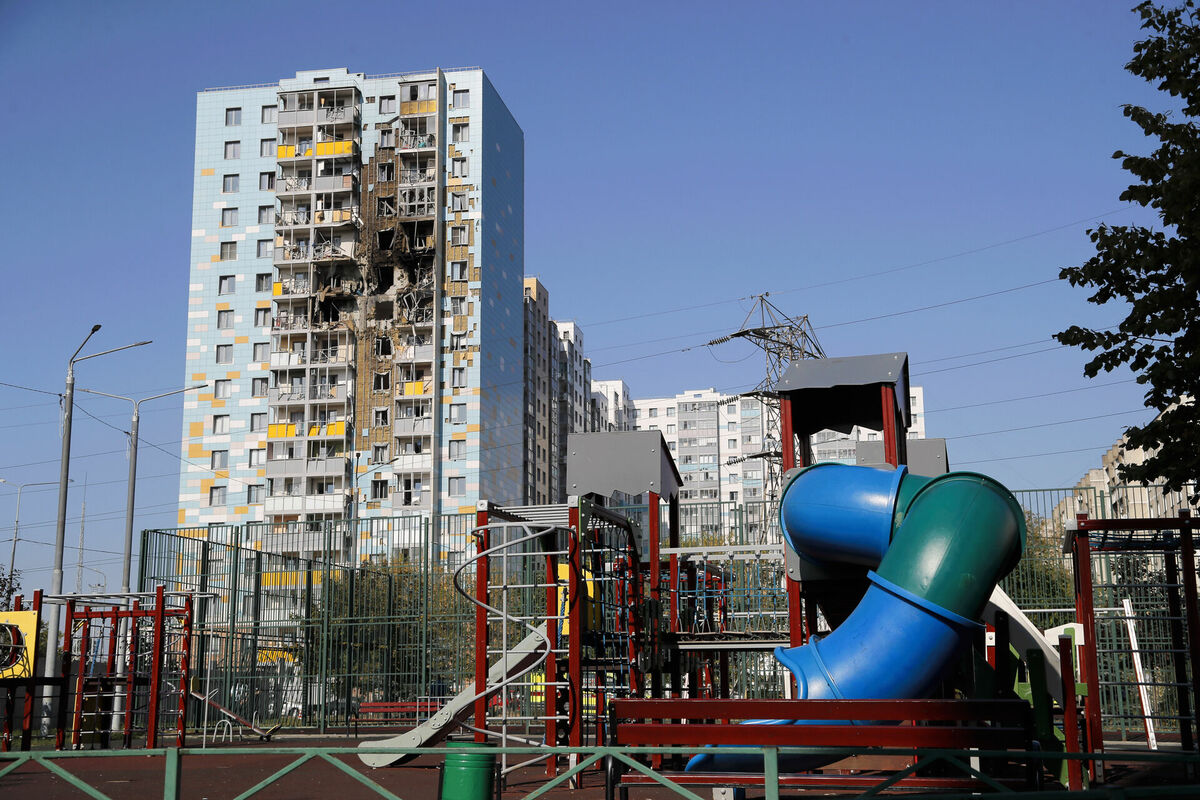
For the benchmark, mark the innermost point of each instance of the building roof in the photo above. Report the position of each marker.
(839, 393)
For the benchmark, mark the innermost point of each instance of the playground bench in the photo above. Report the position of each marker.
(404, 712)
(997, 725)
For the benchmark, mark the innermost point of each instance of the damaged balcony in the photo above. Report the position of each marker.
(298, 466)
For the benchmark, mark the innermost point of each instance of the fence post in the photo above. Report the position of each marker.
(172, 778)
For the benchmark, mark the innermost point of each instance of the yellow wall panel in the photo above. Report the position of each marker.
(182, 516)
(209, 171)
(263, 304)
(195, 429)
(241, 339)
(222, 306)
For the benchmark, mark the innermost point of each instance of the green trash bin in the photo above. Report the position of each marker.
(469, 772)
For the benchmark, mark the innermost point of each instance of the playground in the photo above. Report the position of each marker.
(876, 630)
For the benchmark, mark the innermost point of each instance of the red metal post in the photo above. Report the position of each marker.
(184, 672)
(575, 604)
(791, 460)
(1066, 665)
(1086, 614)
(84, 644)
(156, 664)
(1187, 553)
(891, 433)
(482, 544)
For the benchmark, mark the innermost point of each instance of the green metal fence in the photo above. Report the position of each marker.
(310, 619)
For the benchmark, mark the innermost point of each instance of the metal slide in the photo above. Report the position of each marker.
(516, 662)
(1026, 636)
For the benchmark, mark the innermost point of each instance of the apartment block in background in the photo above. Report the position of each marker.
(360, 324)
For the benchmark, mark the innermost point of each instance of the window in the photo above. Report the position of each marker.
(670, 428)
(258, 457)
(670, 411)
(387, 104)
(382, 382)
(233, 150)
(458, 341)
(264, 251)
(458, 306)
(228, 251)
(381, 418)
(383, 346)
(379, 453)
(224, 322)
(731, 443)
(458, 234)
(266, 148)
(460, 132)
(229, 184)
(266, 181)
(224, 354)
(258, 423)
(216, 496)
(458, 412)
(226, 283)
(457, 486)
(387, 171)
(262, 317)
(731, 426)
(653, 413)
(458, 167)
(458, 377)
(228, 217)
(258, 387)
(379, 489)
(219, 459)
(262, 352)
(387, 138)
(223, 389)
(262, 281)
(233, 116)
(458, 269)
(220, 423)
(458, 201)
(255, 493)
(266, 215)
(270, 114)
(462, 98)
(457, 448)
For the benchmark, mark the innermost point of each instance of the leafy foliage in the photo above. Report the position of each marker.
(9, 588)
(1157, 272)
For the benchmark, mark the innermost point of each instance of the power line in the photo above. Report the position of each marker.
(988, 361)
(1029, 396)
(937, 305)
(28, 388)
(1035, 455)
(1046, 424)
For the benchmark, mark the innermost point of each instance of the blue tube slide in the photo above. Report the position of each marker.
(939, 546)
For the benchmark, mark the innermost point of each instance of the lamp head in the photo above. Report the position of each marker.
(95, 328)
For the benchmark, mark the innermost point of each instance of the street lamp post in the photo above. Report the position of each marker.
(354, 497)
(12, 559)
(60, 533)
(133, 456)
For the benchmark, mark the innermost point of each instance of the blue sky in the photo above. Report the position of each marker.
(679, 156)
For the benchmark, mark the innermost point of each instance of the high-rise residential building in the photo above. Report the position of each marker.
(618, 404)
(543, 351)
(359, 321)
(716, 440)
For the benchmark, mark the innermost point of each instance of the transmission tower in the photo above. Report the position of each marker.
(783, 339)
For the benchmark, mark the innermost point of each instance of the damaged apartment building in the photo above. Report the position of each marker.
(355, 300)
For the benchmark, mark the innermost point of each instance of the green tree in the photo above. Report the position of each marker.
(10, 587)
(1156, 270)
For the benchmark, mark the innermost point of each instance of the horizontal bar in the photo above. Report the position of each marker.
(821, 709)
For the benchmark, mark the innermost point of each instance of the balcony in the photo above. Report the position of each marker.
(283, 322)
(292, 252)
(336, 216)
(296, 117)
(295, 286)
(413, 176)
(414, 388)
(288, 359)
(335, 183)
(337, 147)
(330, 465)
(302, 503)
(285, 152)
(408, 140)
(405, 426)
(328, 430)
(328, 251)
(294, 184)
(422, 352)
(413, 462)
(293, 218)
(331, 355)
(335, 114)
